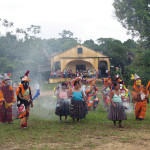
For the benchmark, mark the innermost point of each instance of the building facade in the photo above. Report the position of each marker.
(80, 58)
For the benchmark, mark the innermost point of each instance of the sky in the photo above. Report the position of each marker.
(87, 19)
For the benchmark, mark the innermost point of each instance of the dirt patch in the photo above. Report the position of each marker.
(139, 141)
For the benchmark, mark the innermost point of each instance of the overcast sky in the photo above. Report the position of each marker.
(87, 19)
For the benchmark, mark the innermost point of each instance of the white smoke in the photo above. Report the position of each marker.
(44, 108)
(128, 107)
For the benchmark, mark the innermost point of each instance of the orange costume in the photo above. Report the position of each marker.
(139, 95)
(91, 93)
(24, 99)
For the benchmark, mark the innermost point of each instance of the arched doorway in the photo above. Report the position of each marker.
(79, 65)
(103, 69)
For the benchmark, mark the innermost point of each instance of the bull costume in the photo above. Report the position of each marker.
(24, 100)
(7, 98)
(139, 95)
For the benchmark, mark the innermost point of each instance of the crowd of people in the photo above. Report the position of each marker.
(77, 98)
(68, 73)
(81, 98)
(118, 95)
(23, 99)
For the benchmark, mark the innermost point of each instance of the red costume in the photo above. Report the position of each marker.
(6, 100)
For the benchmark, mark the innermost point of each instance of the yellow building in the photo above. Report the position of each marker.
(80, 58)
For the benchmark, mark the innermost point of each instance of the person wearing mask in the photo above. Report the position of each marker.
(24, 100)
(139, 95)
(7, 99)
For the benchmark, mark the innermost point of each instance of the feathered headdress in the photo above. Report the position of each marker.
(25, 77)
(135, 77)
(92, 81)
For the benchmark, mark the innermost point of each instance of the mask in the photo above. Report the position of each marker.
(25, 84)
(138, 82)
(8, 83)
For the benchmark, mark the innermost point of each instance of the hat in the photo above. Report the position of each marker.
(25, 78)
(6, 77)
(135, 77)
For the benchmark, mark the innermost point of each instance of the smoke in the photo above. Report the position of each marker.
(44, 108)
(128, 107)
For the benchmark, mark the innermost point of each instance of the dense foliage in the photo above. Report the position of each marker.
(135, 16)
(23, 49)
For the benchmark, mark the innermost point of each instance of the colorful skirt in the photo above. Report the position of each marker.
(62, 107)
(5, 114)
(78, 109)
(117, 113)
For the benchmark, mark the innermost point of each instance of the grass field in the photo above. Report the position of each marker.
(45, 132)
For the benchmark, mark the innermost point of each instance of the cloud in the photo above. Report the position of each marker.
(87, 19)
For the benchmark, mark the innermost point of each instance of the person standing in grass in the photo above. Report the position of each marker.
(117, 110)
(62, 106)
(140, 96)
(77, 109)
(7, 98)
(24, 100)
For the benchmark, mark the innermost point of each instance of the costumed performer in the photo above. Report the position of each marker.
(7, 98)
(24, 100)
(93, 100)
(106, 92)
(139, 96)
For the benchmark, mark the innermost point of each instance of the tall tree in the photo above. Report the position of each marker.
(135, 16)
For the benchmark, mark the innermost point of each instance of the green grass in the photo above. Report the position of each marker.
(46, 132)
(49, 86)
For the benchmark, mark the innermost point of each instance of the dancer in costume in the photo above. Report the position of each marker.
(124, 91)
(77, 108)
(92, 97)
(7, 98)
(106, 92)
(24, 100)
(63, 102)
(117, 110)
(139, 95)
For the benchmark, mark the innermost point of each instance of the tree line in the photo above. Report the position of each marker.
(22, 49)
